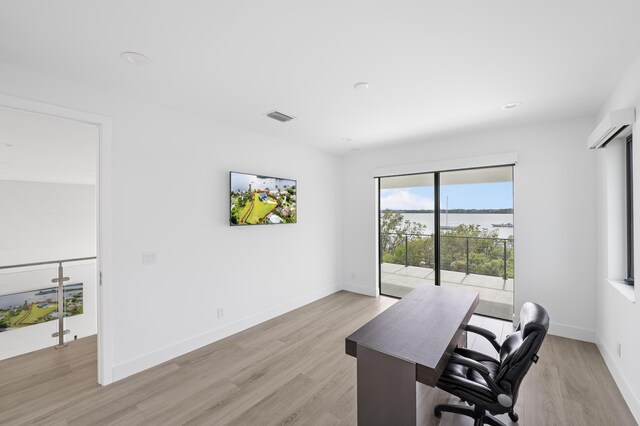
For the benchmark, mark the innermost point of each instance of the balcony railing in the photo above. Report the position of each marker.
(468, 254)
(33, 276)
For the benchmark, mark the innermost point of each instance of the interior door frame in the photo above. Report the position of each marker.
(103, 220)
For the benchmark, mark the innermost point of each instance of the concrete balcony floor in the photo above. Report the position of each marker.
(496, 294)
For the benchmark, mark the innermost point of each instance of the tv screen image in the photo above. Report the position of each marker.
(32, 307)
(262, 200)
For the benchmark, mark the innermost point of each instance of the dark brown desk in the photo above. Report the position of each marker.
(411, 341)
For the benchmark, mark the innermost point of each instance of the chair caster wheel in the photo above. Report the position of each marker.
(514, 417)
(437, 413)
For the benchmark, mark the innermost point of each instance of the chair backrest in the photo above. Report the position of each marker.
(520, 349)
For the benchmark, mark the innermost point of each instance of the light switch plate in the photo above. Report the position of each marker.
(149, 258)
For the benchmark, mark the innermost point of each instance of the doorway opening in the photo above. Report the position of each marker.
(451, 228)
(49, 285)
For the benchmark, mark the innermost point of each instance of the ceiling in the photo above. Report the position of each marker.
(41, 148)
(434, 68)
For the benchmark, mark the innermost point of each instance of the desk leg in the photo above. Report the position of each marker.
(462, 343)
(386, 389)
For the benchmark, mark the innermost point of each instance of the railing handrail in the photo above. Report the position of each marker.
(49, 262)
(447, 236)
(406, 236)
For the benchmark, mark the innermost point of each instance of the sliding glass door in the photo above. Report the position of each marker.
(452, 228)
(407, 243)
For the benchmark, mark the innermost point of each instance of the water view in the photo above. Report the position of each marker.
(486, 221)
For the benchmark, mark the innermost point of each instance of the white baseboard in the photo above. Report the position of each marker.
(361, 289)
(151, 359)
(572, 332)
(629, 396)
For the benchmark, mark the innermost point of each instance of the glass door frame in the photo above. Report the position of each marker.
(437, 213)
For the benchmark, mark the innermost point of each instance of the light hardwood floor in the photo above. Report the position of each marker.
(290, 370)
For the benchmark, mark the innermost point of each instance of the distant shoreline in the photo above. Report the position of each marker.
(459, 211)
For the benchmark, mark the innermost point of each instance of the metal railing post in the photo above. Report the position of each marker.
(467, 255)
(426, 255)
(504, 258)
(406, 250)
(60, 280)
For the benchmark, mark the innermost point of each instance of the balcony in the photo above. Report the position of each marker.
(484, 265)
(496, 294)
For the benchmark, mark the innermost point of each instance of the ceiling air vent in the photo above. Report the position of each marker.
(276, 115)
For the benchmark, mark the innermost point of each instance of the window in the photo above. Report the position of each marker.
(629, 210)
(618, 213)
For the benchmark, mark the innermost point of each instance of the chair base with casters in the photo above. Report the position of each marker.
(480, 415)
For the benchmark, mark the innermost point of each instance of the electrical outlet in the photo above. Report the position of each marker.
(220, 313)
(619, 350)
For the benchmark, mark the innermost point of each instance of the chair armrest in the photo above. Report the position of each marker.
(484, 333)
(470, 363)
(481, 369)
(475, 355)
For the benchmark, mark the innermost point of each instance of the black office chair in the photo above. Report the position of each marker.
(488, 385)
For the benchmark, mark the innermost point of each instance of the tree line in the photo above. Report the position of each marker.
(465, 248)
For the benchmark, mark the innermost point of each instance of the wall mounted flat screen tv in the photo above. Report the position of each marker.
(262, 200)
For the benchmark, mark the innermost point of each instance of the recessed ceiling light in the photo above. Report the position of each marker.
(8, 145)
(363, 85)
(134, 58)
(511, 105)
(346, 140)
(355, 149)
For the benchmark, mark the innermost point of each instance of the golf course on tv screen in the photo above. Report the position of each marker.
(262, 200)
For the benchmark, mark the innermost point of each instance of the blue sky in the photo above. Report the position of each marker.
(497, 195)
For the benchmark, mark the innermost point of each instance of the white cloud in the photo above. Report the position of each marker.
(404, 199)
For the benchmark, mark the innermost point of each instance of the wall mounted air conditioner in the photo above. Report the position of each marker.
(611, 126)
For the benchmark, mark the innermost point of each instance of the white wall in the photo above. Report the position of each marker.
(618, 318)
(554, 214)
(42, 222)
(170, 195)
(46, 221)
